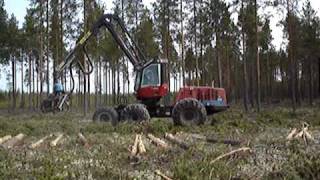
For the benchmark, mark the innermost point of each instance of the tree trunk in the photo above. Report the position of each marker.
(33, 84)
(14, 94)
(282, 94)
(318, 76)
(195, 40)
(37, 86)
(110, 87)
(311, 82)
(292, 64)
(167, 44)
(219, 61)
(113, 86)
(228, 73)
(88, 91)
(40, 68)
(107, 82)
(85, 104)
(252, 80)
(100, 81)
(29, 83)
(269, 88)
(22, 103)
(79, 89)
(258, 59)
(48, 50)
(118, 82)
(200, 73)
(96, 81)
(298, 80)
(182, 44)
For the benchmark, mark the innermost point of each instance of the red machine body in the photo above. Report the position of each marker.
(152, 92)
(201, 93)
(214, 99)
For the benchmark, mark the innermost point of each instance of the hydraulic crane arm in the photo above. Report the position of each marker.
(150, 76)
(127, 45)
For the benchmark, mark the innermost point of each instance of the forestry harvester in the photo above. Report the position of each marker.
(191, 105)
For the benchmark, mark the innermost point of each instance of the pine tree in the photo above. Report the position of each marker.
(166, 14)
(309, 45)
(146, 37)
(13, 48)
(3, 33)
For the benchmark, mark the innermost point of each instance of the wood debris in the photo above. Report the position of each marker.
(83, 140)
(14, 141)
(214, 140)
(138, 146)
(177, 141)
(158, 141)
(134, 149)
(303, 133)
(163, 176)
(56, 141)
(38, 143)
(243, 149)
(142, 148)
(291, 134)
(5, 138)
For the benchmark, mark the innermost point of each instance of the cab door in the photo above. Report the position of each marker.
(151, 83)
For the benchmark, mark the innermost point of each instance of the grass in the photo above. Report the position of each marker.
(273, 157)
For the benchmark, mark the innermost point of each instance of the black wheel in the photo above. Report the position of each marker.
(136, 112)
(107, 114)
(189, 111)
(46, 106)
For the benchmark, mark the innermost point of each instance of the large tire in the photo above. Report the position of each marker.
(136, 112)
(46, 106)
(107, 114)
(189, 111)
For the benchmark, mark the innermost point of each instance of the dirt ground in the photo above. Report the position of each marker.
(107, 156)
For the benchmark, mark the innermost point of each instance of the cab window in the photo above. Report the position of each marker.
(151, 75)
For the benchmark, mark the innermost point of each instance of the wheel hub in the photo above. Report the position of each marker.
(189, 115)
(105, 117)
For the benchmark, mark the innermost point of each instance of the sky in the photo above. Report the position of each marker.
(18, 8)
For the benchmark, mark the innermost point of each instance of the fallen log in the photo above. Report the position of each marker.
(38, 143)
(214, 140)
(56, 141)
(14, 141)
(177, 141)
(157, 141)
(291, 134)
(308, 135)
(142, 148)
(163, 176)
(83, 140)
(243, 149)
(299, 135)
(5, 138)
(134, 149)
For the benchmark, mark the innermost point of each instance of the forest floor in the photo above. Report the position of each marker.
(272, 156)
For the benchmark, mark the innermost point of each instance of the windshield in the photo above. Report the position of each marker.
(151, 75)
